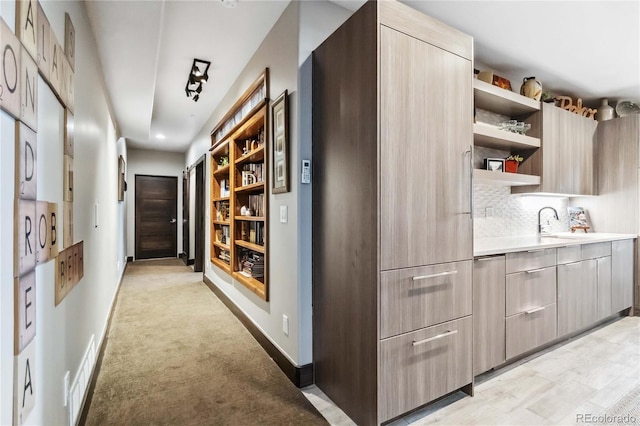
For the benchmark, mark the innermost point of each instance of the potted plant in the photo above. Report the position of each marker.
(511, 163)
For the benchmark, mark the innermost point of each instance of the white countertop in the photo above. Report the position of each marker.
(500, 245)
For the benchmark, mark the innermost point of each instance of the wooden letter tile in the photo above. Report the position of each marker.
(44, 44)
(11, 53)
(25, 238)
(43, 249)
(53, 235)
(68, 225)
(29, 91)
(24, 384)
(25, 311)
(68, 132)
(27, 24)
(26, 157)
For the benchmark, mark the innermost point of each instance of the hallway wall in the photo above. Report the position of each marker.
(157, 163)
(63, 332)
(301, 27)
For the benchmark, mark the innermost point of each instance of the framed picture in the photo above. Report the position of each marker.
(280, 140)
(121, 183)
(494, 164)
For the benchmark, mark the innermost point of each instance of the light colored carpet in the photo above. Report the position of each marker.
(175, 355)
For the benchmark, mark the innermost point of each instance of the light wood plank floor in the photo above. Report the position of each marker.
(586, 375)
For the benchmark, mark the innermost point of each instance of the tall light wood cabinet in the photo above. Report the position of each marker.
(392, 228)
(566, 161)
(616, 207)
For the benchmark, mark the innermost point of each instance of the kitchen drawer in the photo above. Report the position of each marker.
(415, 298)
(532, 259)
(569, 254)
(595, 250)
(530, 329)
(418, 367)
(530, 289)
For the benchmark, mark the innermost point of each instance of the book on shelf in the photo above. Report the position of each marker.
(252, 232)
(252, 173)
(253, 266)
(224, 188)
(256, 204)
(225, 256)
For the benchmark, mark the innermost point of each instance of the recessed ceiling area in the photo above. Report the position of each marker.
(580, 49)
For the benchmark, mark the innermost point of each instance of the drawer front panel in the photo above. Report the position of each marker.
(527, 331)
(595, 250)
(419, 297)
(530, 289)
(418, 367)
(569, 254)
(533, 259)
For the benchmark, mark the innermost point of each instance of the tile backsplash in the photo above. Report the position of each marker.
(497, 213)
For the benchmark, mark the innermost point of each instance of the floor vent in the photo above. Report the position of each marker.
(81, 382)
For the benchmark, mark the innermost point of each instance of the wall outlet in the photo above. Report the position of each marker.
(285, 325)
(284, 214)
(67, 378)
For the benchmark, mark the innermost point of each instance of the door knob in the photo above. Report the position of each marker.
(172, 221)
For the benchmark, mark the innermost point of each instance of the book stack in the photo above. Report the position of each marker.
(256, 233)
(255, 169)
(253, 266)
(225, 256)
(256, 204)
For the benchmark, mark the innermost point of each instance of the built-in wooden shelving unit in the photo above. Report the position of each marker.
(504, 179)
(239, 190)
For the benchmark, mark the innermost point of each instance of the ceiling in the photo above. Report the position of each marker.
(581, 49)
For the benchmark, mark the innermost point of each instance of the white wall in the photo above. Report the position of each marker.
(301, 28)
(156, 163)
(63, 332)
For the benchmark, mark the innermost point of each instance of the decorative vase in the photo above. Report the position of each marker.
(511, 166)
(605, 111)
(531, 88)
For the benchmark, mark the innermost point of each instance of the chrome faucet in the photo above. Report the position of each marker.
(555, 213)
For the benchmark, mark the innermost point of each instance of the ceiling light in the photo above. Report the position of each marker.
(229, 3)
(198, 75)
(160, 136)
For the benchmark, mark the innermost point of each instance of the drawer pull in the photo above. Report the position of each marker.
(439, 336)
(441, 274)
(533, 271)
(535, 251)
(532, 311)
(484, 259)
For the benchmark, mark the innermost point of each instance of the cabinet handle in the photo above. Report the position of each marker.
(533, 271)
(535, 251)
(441, 274)
(470, 153)
(431, 339)
(532, 311)
(484, 259)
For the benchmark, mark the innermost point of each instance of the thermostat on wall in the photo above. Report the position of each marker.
(306, 171)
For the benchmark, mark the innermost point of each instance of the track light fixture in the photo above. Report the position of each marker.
(198, 75)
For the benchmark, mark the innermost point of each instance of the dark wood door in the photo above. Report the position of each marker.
(156, 216)
(185, 218)
(198, 265)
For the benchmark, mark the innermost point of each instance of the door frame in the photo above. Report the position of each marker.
(135, 212)
(185, 218)
(199, 212)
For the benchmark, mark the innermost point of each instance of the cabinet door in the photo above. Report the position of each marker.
(557, 146)
(488, 313)
(425, 138)
(567, 135)
(622, 254)
(577, 295)
(603, 266)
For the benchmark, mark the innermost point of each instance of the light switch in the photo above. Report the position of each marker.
(284, 215)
